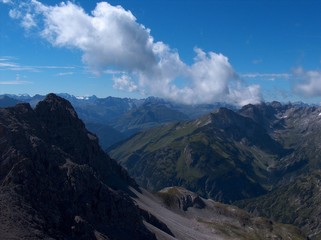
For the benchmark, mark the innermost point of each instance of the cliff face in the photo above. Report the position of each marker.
(56, 182)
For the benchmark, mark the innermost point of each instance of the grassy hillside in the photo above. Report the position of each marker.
(222, 155)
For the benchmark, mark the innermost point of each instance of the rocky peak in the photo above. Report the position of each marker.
(55, 109)
(223, 118)
(234, 125)
(260, 113)
(55, 180)
(66, 130)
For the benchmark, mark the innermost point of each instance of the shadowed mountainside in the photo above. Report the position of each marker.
(57, 183)
(222, 155)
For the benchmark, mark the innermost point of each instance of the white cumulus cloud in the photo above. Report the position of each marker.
(309, 83)
(124, 82)
(110, 37)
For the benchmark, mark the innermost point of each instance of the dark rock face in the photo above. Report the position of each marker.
(56, 182)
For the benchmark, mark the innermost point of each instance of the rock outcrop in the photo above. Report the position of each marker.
(57, 183)
(180, 198)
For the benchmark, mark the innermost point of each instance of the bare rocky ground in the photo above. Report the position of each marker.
(213, 221)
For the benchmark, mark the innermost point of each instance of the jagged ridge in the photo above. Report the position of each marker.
(56, 182)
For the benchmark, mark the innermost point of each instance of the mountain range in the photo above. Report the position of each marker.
(264, 158)
(114, 119)
(56, 182)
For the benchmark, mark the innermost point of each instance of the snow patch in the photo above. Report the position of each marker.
(207, 122)
(203, 122)
(82, 97)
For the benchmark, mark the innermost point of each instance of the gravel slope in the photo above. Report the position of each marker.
(215, 221)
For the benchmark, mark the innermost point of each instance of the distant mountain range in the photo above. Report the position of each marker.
(6, 101)
(114, 119)
(57, 183)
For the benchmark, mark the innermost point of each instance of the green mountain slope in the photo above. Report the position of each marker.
(297, 203)
(269, 153)
(223, 155)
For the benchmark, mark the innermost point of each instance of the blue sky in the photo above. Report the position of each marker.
(188, 51)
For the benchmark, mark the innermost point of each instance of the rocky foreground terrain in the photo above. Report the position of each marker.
(57, 183)
(189, 216)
